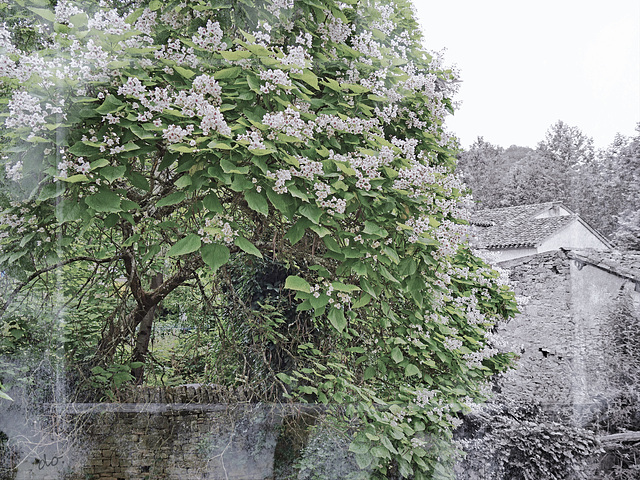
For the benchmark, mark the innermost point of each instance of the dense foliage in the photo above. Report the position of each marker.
(601, 186)
(519, 442)
(279, 174)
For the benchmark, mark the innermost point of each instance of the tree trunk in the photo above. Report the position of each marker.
(144, 335)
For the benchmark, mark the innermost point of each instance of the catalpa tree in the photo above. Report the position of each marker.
(150, 149)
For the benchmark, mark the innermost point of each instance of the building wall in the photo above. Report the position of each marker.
(543, 332)
(554, 211)
(564, 306)
(573, 236)
(506, 254)
(594, 293)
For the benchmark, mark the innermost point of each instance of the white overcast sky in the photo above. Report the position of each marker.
(527, 64)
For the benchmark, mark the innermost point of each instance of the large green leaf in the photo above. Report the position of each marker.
(373, 228)
(51, 190)
(214, 255)
(112, 173)
(111, 104)
(247, 246)
(312, 212)
(337, 319)
(293, 282)
(212, 203)
(104, 201)
(396, 355)
(44, 13)
(296, 232)
(257, 202)
(285, 203)
(236, 55)
(226, 73)
(171, 199)
(188, 244)
(411, 370)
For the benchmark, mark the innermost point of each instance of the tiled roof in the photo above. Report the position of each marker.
(513, 227)
(624, 264)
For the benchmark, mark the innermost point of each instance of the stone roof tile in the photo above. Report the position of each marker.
(513, 227)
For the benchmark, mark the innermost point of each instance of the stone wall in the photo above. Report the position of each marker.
(543, 332)
(164, 441)
(565, 300)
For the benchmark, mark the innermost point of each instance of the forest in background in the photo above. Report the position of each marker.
(602, 186)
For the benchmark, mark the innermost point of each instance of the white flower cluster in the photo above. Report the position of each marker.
(7, 66)
(79, 165)
(146, 22)
(110, 22)
(6, 44)
(452, 344)
(209, 37)
(289, 123)
(308, 168)
(354, 125)
(176, 134)
(111, 141)
(474, 359)
(177, 52)
(207, 85)
(388, 113)
(419, 225)
(111, 119)
(64, 11)
(263, 36)
(386, 23)
(25, 111)
(297, 58)
(14, 172)
(332, 205)
(281, 176)
(419, 179)
(424, 397)
(425, 82)
(277, 6)
(274, 80)
(218, 229)
(450, 236)
(400, 44)
(340, 300)
(407, 146)
(192, 102)
(305, 38)
(365, 44)
(176, 19)
(189, 102)
(335, 29)
(470, 306)
(322, 191)
(416, 335)
(14, 222)
(212, 119)
(254, 137)
(133, 87)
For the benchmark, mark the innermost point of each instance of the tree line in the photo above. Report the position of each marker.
(601, 185)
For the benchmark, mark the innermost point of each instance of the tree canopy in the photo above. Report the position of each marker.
(284, 162)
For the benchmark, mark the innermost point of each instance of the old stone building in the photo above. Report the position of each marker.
(519, 231)
(563, 333)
